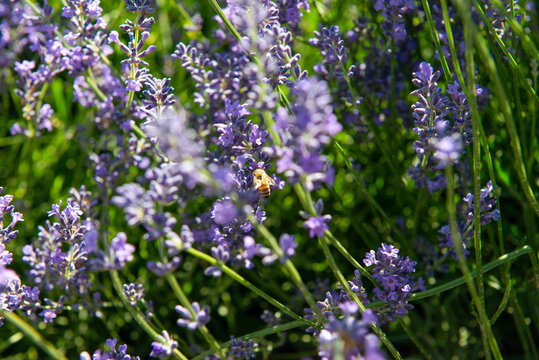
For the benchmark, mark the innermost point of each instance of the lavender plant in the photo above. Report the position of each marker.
(147, 125)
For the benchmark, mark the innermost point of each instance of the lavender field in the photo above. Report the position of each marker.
(255, 179)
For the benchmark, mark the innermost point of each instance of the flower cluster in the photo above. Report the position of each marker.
(317, 225)
(51, 267)
(138, 71)
(443, 126)
(78, 50)
(180, 169)
(333, 51)
(263, 34)
(164, 348)
(304, 133)
(393, 272)
(466, 227)
(13, 295)
(113, 354)
(349, 338)
(216, 79)
(134, 293)
(338, 302)
(289, 12)
(242, 349)
(193, 317)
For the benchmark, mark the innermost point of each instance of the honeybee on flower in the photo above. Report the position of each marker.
(262, 182)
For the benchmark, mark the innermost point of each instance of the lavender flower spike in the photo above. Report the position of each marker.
(317, 225)
(242, 349)
(394, 274)
(194, 321)
(350, 338)
(163, 349)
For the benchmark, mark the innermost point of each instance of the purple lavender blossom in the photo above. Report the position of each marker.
(7, 276)
(431, 109)
(394, 275)
(195, 320)
(289, 12)
(134, 292)
(165, 347)
(487, 203)
(393, 11)
(121, 251)
(305, 133)
(142, 7)
(183, 147)
(333, 52)
(252, 249)
(447, 150)
(216, 78)
(317, 225)
(264, 35)
(48, 316)
(270, 318)
(136, 72)
(242, 349)
(114, 354)
(50, 266)
(337, 303)
(77, 51)
(176, 243)
(443, 126)
(224, 211)
(7, 233)
(288, 245)
(356, 285)
(158, 93)
(13, 294)
(162, 269)
(349, 338)
(222, 255)
(466, 228)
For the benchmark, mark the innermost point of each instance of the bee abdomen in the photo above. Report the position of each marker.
(264, 191)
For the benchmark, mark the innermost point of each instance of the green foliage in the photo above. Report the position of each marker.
(377, 203)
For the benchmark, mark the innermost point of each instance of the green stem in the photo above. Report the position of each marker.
(436, 39)
(356, 176)
(292, 271)
(484, 323)
(138, 316)
(241, 280)
(525, 328)
(503, 303)
(134, 67)
(476, 124)
(415, 340)
(462, 280)
(91, 81)
(362, 270)
(527, 43)
(225, 20)
(514, 66)
(255, 335)
(501, 95)
(496, 191)
(33, 335)
(184, 300)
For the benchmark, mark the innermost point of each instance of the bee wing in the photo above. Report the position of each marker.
(271, 182)
(256, 183)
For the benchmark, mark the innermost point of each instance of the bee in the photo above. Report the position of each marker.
(262, 182)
